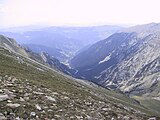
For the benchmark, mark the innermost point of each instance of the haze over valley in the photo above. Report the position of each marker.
(79, 60)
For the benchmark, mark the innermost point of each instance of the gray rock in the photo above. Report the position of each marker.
(38, 107)
(1, 91)
(2, 117)
(10, 85)
(21, 99)
(51, 98)
(17, 118)
(153, 118)
(27, 94)
(32, 114)
(105, 109)
(9, 101)
(38, 93)
(79, 117)
(15, 105)
(3, 97)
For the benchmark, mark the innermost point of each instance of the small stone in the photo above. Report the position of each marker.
(9, 78)
(60, 110)
(43, 111)
(13, 80)
(10, 85)
(21, 91)
(27, 94)
(17, 118)
(71, 117)
(54, 93)
(21, 99)
(51, 98)
(38, 107)
(79, 117)
(3, 97)
(126, 118)
(13, 90)
(88, 103)
(26, 98)
(33, 114)
(153, 118)
(9, 101)
(1, 91)
(104, 109)
(89, 118)
(13, 105)
(50, 110)
(6, 76)
(12, 114)
(37, 116)
(2, 117)
(66, 98)
(38, 93)
(113, 118)
(57, 116)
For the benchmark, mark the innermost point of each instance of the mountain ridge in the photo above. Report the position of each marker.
(65, 40)
(123, 66)
(31, 90)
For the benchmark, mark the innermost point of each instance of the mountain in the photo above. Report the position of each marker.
(56, 64)
(32, 90)
(11, 45)
(57, 53)
(128, 60)
(43, 57)
(65, 40)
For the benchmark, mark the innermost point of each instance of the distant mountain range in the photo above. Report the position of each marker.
(128, 60)
(60, 42)
(42, 57)
(32, 87)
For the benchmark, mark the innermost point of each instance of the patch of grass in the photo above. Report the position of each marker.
(151, 104)
(28, 70)
(58, 82)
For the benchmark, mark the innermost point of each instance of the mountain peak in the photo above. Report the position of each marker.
(151, 27)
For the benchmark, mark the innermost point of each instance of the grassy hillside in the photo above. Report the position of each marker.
(37, 89)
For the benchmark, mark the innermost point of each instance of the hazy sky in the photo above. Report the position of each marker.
(78, 12)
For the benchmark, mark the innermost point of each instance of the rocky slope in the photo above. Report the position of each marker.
(56, 64)
(11, 45)
(31, 90)
(43, 57)
(21, 99)
(128, 60)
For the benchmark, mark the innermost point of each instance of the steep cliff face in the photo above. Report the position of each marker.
(128, 60)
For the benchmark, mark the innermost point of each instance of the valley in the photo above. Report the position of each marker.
(115, 78)
(31, 90)
(79, 60)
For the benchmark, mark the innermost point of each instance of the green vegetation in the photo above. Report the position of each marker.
(83, 97)
(152, 104)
